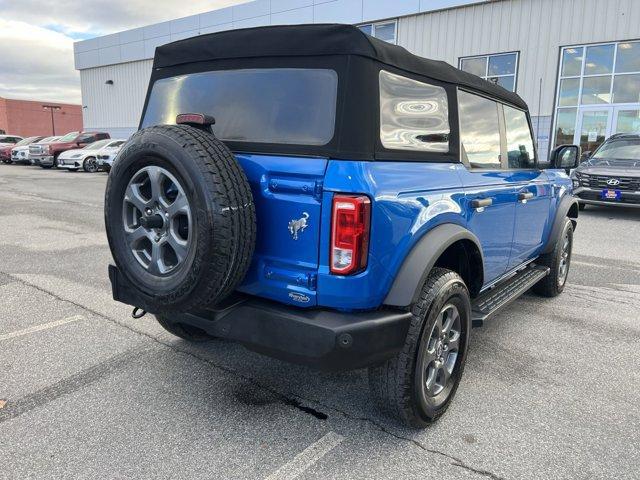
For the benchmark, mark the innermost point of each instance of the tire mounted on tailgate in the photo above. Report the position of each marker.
(180, 218)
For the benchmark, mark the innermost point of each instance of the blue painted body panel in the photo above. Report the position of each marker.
(408, 199)
(284, 188)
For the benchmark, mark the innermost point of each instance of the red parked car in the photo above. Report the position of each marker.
(46, 155)
(8, 142)
(5, 151)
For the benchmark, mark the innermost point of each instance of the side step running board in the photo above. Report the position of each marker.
(505, 292)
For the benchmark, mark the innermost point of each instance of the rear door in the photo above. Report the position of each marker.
(532, 187)
(489, 189)
(287, 192)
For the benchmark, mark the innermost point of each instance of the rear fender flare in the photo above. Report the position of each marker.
(421, 259)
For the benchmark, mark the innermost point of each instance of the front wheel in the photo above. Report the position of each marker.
(90, 165)
(558, 261)
(418, 385)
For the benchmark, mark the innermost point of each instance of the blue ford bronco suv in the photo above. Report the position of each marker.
(329, 199)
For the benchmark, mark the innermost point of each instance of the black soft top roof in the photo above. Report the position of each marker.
(317, 40)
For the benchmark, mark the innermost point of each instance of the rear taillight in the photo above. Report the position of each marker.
(350, 221)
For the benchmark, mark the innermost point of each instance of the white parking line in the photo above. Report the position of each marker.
(599, 265)
(307, 457)
(44, 326)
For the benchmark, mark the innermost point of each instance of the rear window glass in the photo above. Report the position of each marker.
(479, 131)
(281, 106)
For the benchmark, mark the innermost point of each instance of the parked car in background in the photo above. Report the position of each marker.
(87, 157)
(108, 155)
(611, 175)
(6, 140)
(38, 145)
(5, 151)
(47, 155)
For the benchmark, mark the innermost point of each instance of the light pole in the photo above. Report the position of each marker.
(53, 123)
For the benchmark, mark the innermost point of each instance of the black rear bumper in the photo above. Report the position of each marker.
(321, 338)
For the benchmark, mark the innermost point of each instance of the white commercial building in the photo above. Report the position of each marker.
(575, 62)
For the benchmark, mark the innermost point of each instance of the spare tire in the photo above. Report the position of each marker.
(180, 218)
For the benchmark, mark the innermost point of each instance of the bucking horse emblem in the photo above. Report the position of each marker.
(298, 226)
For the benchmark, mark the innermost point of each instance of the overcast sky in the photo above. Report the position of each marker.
(36, 38)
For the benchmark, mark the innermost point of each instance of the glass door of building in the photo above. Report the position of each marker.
(594, 126)
(626, 120)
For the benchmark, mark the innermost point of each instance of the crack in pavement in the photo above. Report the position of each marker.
(291, 399)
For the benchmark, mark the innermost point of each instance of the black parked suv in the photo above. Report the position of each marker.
(611, 175)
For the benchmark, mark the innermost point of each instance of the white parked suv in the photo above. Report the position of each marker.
(108, 155)
(87, 157)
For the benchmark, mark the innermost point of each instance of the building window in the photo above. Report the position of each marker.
(598, 90)
(500, 68)
(384, 30)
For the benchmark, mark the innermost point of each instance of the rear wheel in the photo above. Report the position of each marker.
(186, 332)
(418, 385)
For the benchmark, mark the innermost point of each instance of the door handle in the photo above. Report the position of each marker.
(524, 196)
(481, 202)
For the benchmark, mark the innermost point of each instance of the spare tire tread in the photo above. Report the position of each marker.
(233, 220)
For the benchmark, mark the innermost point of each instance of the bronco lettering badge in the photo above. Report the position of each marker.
(299, 225)
(299, 297)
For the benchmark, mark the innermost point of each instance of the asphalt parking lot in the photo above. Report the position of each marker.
(551, 387)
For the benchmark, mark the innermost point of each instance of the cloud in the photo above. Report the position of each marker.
(106, 16)
(37, 63)
(36, 44)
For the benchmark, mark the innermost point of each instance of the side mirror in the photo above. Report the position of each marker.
(565, 157)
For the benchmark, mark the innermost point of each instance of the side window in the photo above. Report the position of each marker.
(413, 115)
(89, 138)
(520, 153)
(479, 131)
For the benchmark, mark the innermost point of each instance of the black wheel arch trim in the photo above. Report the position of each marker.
(567, 203)
(421, 260)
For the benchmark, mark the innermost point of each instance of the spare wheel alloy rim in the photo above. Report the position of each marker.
(157, 220)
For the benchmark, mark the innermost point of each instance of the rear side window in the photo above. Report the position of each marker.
(479, 131)
(413, 115)
(279, 105)
(520, 153)
(88, 138)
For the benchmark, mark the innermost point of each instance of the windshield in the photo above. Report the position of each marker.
(273, 105)
(96, 145)
(47, 139)
(68, 137)
(624, 150)
(26, 141)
